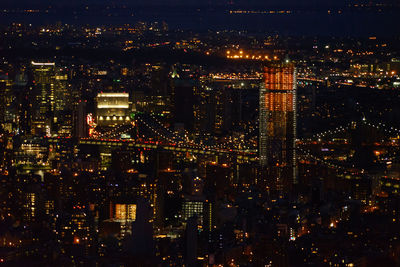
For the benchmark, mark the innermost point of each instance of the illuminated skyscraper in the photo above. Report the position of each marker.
(44, 79)
(278, 123)
(62, 121)
(52, 104)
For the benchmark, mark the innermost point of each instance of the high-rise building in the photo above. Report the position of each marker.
(52, 111)
(44, 80)
(62, 121)
(278, 124)
(21, 100)
(184, 100)
(142, 231)
(124, 214)
(193, 206)
(81, 126)
(191, 242)
(8, 106)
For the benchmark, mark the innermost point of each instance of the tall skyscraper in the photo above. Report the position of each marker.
(191, 242)
(22, 91)
(278, 124)
(8, 105)
(52, 106)
(44, 79)
(62, 121)
(81, 126)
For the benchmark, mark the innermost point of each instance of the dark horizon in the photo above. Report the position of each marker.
(195, 3)
(317, 21)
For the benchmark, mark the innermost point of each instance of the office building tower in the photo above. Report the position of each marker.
(193, 206)
(277, 123)
(22, 91)
(44, 80)
(191, 242)
(8, 106)
(62, 120)
(52, 111)
(184, 101)
(80, 119)
(124, 214)
(142, 232)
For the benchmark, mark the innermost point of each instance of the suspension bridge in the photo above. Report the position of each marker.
(163, 138)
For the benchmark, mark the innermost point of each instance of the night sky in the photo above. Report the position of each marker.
(254, 3)
(311, 16)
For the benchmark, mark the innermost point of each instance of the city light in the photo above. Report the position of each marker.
(216, 135)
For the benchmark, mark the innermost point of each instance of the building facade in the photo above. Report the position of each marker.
(113, 109)
(277, 123)
(51, 109)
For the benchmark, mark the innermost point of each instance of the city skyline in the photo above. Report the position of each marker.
(174, 134)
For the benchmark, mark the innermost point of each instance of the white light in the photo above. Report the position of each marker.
(112, 106)
(113, 95)
(42, 64)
